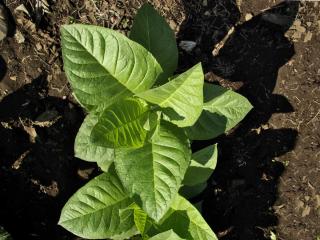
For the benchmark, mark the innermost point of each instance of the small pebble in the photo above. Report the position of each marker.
(205, 3)
(188, 46)
(248, 16)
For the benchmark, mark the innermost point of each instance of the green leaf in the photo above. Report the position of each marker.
(202, 164)
(104, 66)
(142, 221)
(167, 235)
(86, 150)
(185, 220)
(153, 173)
(4, 235)
(223, 109)
(192, 191)
(105, 164)
(154, 33)
(183, 94)
(122, 124)
(94, 210)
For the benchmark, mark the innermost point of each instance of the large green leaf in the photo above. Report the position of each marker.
(154, 172)
(185, 220)
(94, 210)
(104, 66)
(167, 235)
(86, 150)
(153, 32)
(223, 109)
(202, 164)
(122, 124)
(183, 94)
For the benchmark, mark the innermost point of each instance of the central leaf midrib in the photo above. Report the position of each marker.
(127, 123)
(153, 143)
(97, 59)
(153, 180)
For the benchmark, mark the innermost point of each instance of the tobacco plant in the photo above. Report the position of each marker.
(141, 120)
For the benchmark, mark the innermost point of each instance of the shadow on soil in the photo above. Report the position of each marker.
(238, 201)
(38, 171)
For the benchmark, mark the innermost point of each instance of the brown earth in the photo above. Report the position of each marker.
(267, 179)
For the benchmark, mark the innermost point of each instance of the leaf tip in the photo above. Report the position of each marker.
(60, 221)
(147, 6)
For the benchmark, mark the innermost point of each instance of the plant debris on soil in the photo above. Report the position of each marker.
(267, 180)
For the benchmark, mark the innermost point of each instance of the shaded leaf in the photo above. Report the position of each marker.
(104, 66)
(153, 173)
(185, 220)
(223, 109)
(167, 235)
(183, 94)
(202, 164)
(94, 210)
(153, 32)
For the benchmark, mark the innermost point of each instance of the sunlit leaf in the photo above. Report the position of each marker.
(86, 150)
(104, 66)
(122, 124)
(153, 173)
(181, 98)
(94, 210)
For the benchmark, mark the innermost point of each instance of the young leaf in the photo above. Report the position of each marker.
(122, 124)
(185, 220)
(154, 172)
(104, 66)
(223, 109)
(142, 221)
(183, 94)
(93, 211)
(191, 191)
(201, 166)
(154, 33)
(86, 150)
(167, 235)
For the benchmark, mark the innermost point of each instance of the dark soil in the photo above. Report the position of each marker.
(267, 179)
